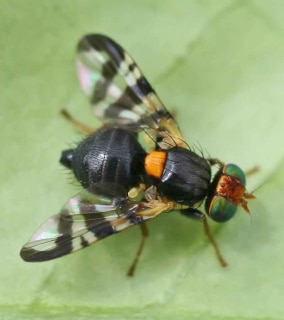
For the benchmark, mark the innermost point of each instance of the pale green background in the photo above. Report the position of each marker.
(220, 66)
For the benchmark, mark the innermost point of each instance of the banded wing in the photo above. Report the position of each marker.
(85, 219)
(118, 91)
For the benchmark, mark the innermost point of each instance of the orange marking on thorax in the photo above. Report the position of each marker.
(154, 163)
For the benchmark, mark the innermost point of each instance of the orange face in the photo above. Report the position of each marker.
(233, 190)
(230, 188)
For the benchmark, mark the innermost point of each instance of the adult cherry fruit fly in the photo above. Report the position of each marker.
(123, 182)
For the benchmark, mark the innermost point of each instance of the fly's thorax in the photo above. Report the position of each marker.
(108, 155)
(181, 175)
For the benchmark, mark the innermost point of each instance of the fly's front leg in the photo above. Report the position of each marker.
(252, 171)
(198, 215)
(215, 161)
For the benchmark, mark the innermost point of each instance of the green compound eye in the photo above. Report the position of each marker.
(228, 192)
(235, 171)
(221, 210)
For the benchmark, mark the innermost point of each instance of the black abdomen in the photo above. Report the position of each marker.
(109, 155)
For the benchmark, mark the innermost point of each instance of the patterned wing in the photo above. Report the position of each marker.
(85, 219)
(118, 91)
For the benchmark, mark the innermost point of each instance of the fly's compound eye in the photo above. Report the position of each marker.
(234, 171)
(227, 193)
(221, 209)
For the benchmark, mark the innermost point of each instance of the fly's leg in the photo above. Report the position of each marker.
(196, 214)
(252, 171)
(80, 126)
(138, 194)
(149, 210)
(215, 161)
(145, 234)
(211, 239)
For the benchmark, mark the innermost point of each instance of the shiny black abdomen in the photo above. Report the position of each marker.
(186, 177)
(109, 155)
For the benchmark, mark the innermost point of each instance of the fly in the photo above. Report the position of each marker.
(124, 183)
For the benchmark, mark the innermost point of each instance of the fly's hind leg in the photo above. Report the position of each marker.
(67, 155)
(77, 124)
(145, 234)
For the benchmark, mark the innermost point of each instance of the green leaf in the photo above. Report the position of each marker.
(219, 66)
